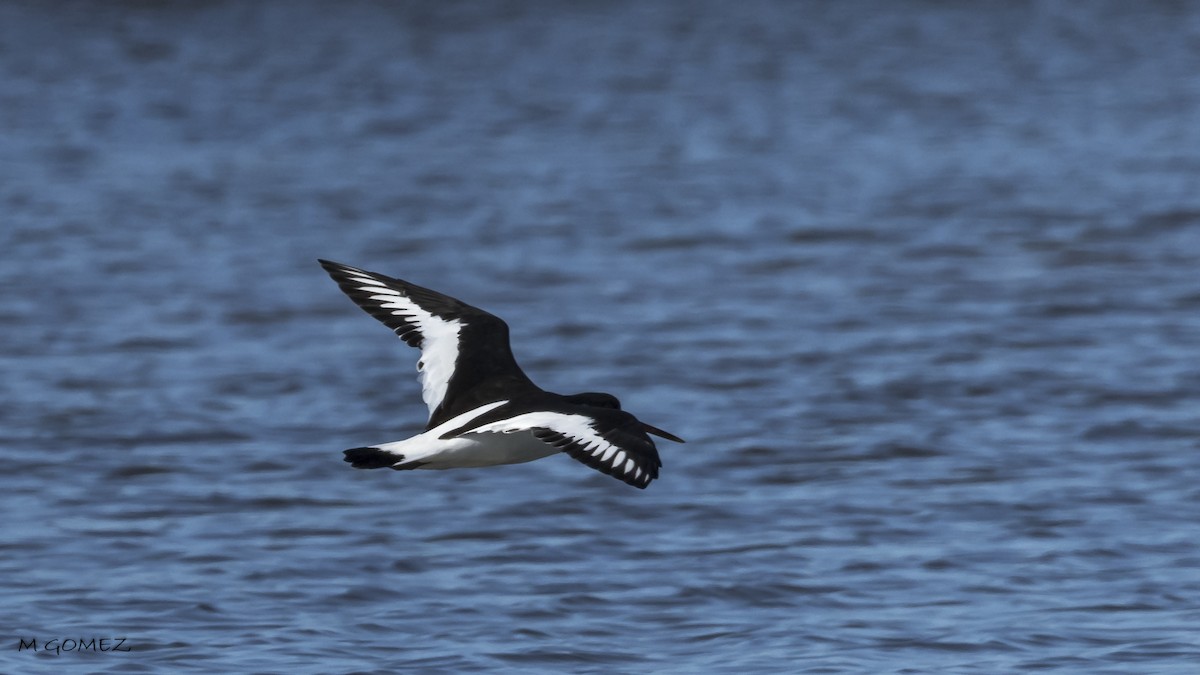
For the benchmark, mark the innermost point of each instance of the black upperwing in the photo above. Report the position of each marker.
(466, 360)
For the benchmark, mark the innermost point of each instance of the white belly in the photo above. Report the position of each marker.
(471, 450)
(490, 450)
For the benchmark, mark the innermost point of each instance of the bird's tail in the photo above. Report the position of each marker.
(378, 458)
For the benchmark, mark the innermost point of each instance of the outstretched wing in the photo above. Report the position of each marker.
(463, 348)
(610, 441)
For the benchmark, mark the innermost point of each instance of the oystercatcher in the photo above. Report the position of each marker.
(483, 409)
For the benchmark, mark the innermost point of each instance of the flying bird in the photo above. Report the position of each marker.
(483, 409)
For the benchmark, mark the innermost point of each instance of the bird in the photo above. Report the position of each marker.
(483, 409)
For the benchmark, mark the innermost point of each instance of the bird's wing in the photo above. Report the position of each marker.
(462, 347)
(610, 441)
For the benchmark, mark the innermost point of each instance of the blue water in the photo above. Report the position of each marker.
(919, 283)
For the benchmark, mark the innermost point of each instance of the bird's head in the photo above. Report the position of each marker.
(601, 400)
(595, 399)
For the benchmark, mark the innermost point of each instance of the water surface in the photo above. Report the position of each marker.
(919, 286)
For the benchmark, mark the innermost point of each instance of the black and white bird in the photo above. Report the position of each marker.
(483, 410)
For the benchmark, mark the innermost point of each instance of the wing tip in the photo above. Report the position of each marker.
(639, 483)
(337, 268)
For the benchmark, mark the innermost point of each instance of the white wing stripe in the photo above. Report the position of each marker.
(579, 430)
(577, 427)
(439, 337)
(464, 418)
(439, 352)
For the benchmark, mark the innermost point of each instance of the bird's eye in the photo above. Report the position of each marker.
(420, 366)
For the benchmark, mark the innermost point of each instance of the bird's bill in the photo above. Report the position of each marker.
(659, 432)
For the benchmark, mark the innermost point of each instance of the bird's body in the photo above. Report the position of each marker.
(483, 409)
(458, 450)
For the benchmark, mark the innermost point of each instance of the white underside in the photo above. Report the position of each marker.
(469, 450)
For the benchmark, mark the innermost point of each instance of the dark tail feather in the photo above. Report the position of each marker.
(374, 458)
(371, 458)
